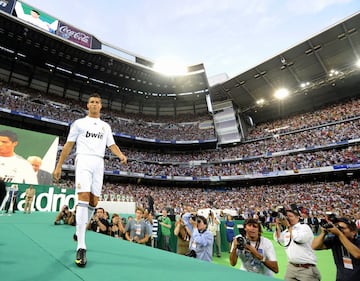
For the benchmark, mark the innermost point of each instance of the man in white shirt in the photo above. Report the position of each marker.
(92, 136)
(297, 239)
(13, 167)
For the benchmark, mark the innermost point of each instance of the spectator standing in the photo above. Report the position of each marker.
(29, 197)
(155, 229)
(165, 227)
(12, 198)
(229, 230)
(214, 228)
(148, 220)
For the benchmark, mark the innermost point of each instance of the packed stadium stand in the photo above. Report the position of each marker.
(191, 143)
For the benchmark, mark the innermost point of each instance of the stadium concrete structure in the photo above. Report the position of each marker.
(319, 71)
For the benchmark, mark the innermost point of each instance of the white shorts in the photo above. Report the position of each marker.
(89, 174)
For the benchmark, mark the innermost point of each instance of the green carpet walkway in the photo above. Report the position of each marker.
(32, 248)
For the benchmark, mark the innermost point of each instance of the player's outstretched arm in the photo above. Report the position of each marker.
(64, 154)
(116, 151)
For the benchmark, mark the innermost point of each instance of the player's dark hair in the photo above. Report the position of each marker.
(11, 135)
(95, 95)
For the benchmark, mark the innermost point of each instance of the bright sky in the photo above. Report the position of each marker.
(228, 36)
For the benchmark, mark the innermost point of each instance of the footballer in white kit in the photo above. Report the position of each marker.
(91, 136)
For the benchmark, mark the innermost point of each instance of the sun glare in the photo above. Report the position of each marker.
(170, 67)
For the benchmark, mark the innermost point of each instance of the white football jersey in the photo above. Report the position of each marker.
(17, 170)
(92, 136)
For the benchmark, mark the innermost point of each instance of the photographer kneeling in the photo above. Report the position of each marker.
(341, 237)
(65, 216)
(257, 253)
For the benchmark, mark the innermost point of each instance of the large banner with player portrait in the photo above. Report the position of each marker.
(36, 17)
(27, 156)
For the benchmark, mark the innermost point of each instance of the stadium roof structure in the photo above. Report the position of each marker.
(37, 58)
(318, 71)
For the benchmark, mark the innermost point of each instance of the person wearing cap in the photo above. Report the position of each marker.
(201, 239)
(258, 254)
(297, 239)
(343, 240)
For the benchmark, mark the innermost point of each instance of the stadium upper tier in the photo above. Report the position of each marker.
(185, 128)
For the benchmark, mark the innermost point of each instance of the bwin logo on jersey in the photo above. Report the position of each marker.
(94, 135)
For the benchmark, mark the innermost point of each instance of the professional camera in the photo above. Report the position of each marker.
(193, 217)
(330, 221)
(279, 213)
(65, 209)
(241, 242)
(191, 254)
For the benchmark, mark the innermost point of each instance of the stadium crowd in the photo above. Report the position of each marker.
(317, 132)
(53, 107)
(314, 198)
(182, 127)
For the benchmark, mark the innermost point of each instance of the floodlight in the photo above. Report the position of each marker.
(358, 63)
(281, 93)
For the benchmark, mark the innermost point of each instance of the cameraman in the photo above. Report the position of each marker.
(202, 240)
(257, 253)
(98, 222)
(65, 216)
(297, 239)
(344, 242)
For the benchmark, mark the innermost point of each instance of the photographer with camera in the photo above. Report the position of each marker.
(183, 235)
(296, 238)
(257, 253)
(98, 222)
(340, 235)
(65, 216)
(201, 242)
